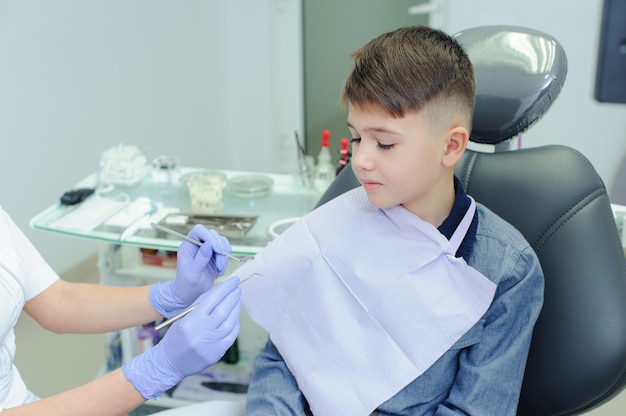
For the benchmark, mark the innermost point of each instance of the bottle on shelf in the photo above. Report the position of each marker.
(324, 171)
(344, 154)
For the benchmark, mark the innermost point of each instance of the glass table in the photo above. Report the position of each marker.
(287, 199)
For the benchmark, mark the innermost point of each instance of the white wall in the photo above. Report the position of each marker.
(598, 130)
(215, 82)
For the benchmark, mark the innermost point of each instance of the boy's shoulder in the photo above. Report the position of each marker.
(491, 225)
(501, 252)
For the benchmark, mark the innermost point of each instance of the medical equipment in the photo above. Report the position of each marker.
(136, 223)
(165, 169)
(122, 165)
(325, 172)
(250, 186)
(243, 259)
(276, 228)
(230, 226)
(205, 190)
(76, 196)
(191, 308)
(306, 163)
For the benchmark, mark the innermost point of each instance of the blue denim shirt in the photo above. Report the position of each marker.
(482, 373)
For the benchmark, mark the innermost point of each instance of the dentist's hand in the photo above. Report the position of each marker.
(191, 344)
(196, 271)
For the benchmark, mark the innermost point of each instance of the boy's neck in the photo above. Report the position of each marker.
(439, 206)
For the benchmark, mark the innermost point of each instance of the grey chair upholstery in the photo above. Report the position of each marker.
(555, 198)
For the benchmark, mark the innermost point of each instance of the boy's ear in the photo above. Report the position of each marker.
(456, 142)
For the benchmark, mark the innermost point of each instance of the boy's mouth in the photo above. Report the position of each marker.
(370, 185)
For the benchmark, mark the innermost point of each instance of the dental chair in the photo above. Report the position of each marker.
(555, 198)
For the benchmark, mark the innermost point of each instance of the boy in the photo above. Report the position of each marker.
(410, 99)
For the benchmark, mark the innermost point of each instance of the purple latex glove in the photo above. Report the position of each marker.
(196, 271)
(191, 344)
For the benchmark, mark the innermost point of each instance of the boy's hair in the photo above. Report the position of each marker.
(411, 69)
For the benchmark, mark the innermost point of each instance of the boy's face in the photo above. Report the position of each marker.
(403, 161)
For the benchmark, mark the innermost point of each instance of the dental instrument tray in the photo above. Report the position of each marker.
(231, 226)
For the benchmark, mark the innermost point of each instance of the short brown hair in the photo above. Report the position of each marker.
(406, 69)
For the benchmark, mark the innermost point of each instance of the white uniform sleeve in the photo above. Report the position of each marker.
(23, 259)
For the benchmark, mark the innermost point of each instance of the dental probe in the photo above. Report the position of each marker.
(191, 308)
(199, 243)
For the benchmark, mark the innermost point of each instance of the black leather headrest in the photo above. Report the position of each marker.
(519, 73)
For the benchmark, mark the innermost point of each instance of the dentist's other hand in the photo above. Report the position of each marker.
(191, 344)
(196, 270)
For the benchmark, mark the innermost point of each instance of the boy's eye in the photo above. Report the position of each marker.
(357, 140)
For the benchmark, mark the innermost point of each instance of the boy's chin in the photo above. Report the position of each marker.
(380, 203)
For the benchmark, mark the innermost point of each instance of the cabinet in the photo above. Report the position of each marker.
(131, 252)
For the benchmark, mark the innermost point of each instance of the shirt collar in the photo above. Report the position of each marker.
(449, 225)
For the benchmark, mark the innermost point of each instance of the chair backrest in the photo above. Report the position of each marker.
(556, 199)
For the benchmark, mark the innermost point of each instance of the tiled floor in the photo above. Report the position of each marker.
(51, 363)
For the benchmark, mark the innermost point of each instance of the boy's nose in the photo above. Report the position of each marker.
(361, 159)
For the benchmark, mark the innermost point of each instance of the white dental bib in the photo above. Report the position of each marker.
(360, 301)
